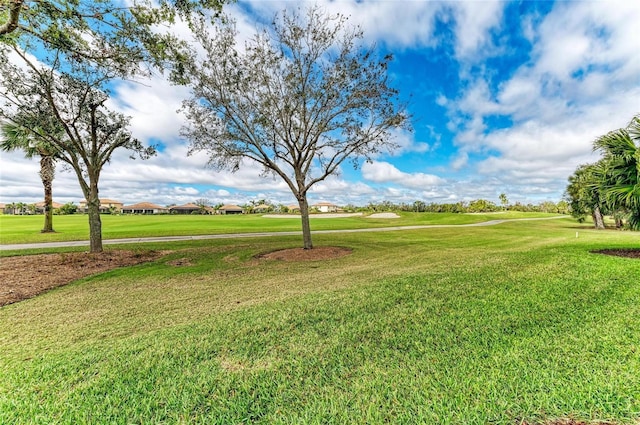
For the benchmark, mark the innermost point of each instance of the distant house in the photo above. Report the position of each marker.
(40, 206)
(106, 206)
(293, 208)
(12, 208)
(262, 208)
(144, 208)
(189, 208)
(326, 207)
(230, 209)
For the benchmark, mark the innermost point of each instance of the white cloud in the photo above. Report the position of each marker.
(153, 106)
(581, 34)
(518, 94)
(384, 172)
(341, 192)
(474, 20)
(582, 81)
(407, 143)
(460, 160)
(378, 19)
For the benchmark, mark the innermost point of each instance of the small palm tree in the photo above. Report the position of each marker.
(10, 207)
(620, 173)
(504, 200)
(15, 137)
(584, 194)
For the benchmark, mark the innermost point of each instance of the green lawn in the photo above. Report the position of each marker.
(488, 325)
(26, 229)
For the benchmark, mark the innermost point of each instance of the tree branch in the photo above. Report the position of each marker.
(15, 6)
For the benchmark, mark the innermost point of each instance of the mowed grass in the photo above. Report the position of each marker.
(503, 324)
(26, 229)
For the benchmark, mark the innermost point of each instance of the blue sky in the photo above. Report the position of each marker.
(507, 97)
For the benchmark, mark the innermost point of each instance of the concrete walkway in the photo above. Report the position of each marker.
(44, 245)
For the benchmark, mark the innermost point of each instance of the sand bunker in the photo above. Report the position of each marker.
(384, 215)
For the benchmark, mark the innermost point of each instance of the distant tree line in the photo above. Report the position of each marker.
(21, 208)
(474, 206)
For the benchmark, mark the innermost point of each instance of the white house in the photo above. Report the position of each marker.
(326, 207)
(106, 206)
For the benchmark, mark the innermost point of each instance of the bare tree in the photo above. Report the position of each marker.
(67, 111)
(86, 44)
(122, 36)
(300, 98)
(204, 204)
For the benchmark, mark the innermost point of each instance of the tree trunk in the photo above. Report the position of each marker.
(598, 221)
(95, 223)
(619, 223)
(47, 171)
(306, 227)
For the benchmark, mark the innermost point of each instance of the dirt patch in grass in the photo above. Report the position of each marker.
(26, 276)
(180, 262)
(628, 253)
(300, 254)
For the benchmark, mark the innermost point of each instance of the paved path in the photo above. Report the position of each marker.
(44, 245)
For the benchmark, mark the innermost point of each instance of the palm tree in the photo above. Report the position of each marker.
(10, 207)
(620, 173)
(20, 208)
(504, 200)
(15, 137)
(584, 195)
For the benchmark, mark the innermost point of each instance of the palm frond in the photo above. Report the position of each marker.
(617, 143)
(634, 129)
(30, 140)
(16, 138)
(618, 172)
